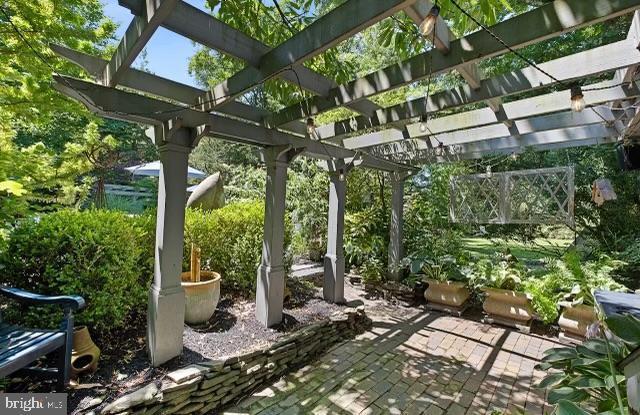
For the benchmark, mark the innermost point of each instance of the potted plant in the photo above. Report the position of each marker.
(504, 302)
(202, 291)
(446, 289)
(578, 304)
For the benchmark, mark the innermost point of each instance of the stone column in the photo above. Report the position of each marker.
(165, 318)
(333, 287)
(395, 228)
(270, 285)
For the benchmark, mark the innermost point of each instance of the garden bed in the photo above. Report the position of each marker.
(232, 330)
(199, 383)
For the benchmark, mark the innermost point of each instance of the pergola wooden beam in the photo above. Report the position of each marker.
(188, 22)
(591, 62)
(557, 121)
(136, 36)
(166, 88)
(409, 150)
(527, 108)
(128, 106)
(339, 24)
(429, 158)
(542, 23)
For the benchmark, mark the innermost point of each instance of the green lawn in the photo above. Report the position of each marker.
(535, 251)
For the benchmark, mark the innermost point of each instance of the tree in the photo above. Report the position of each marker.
(27, 63)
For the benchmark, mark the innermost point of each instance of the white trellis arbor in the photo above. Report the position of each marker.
(378, 138)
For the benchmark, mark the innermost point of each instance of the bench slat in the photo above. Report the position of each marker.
(24, 340)
(30, 353)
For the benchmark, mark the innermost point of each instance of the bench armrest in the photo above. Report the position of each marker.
(74, 302)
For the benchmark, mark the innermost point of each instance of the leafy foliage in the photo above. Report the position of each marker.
(106, 257)
(587, 376)
(25, 79)
(230, 240)
(503, 274)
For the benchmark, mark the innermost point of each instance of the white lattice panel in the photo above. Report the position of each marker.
(541, 196)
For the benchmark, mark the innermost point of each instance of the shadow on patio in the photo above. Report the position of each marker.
(425, 363)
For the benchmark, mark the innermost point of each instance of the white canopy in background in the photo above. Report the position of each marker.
(153, 169)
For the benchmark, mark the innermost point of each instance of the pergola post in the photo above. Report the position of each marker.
(395, 227)
(165, 318)
(333, 287)
(271, 276)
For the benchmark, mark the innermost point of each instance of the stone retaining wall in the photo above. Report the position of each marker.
(210, 385)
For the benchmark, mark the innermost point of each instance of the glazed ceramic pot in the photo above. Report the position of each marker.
(448, 293)
(575, 320)
(85, 353)
(507, 306)
(201, 298)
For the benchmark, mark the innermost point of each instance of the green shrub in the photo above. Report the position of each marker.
(101, 255)
(230, 240)
(366, 237)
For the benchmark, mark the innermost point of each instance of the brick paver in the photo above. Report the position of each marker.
(425, 363)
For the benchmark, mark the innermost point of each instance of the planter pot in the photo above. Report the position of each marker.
(85, 354)
(574, 321)
(508, 307)
(201, 298)
(447, 296)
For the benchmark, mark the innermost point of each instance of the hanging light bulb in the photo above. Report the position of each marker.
(514, 156)
(423, 124)
(489, 171)
(577, 99)
(311, 126)
(341, 176)
(429, 23)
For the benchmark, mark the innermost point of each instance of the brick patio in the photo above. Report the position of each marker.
(421, 363)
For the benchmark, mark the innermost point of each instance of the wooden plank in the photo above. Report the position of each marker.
(339, 24)
(123, 105)
(135, 38)
(567, 119)
(515, 110)
(588, 63)
(188, 21)
(505, 143)
(542, 23)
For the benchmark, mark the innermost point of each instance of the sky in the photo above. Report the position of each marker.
(167, 53)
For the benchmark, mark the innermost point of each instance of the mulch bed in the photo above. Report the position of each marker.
(232, 330)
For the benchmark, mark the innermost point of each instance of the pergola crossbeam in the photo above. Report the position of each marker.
(188, 22)
(135, 38)
(507, 145)
(588, 63)
(339, 24)
(542, 23)
(513, 111)
(128, 106)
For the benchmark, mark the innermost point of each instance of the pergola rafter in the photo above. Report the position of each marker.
(380, 138)
(592, 62)
(537, 25)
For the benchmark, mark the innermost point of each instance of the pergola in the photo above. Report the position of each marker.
(388, 139)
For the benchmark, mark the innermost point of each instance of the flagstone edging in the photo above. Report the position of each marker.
(210, 385)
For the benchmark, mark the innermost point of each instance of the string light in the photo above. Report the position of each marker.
(311, 126)
(423, 123)
(577, 99)
(429, 23)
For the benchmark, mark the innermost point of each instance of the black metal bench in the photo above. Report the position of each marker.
(20, 347)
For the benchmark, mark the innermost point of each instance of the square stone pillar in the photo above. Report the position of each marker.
(396, 250)
(165, 318)
(271, 276)
(333, 287)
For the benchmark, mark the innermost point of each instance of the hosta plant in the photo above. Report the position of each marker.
(585, 379)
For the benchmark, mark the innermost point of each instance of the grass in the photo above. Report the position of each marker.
(530, 252)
